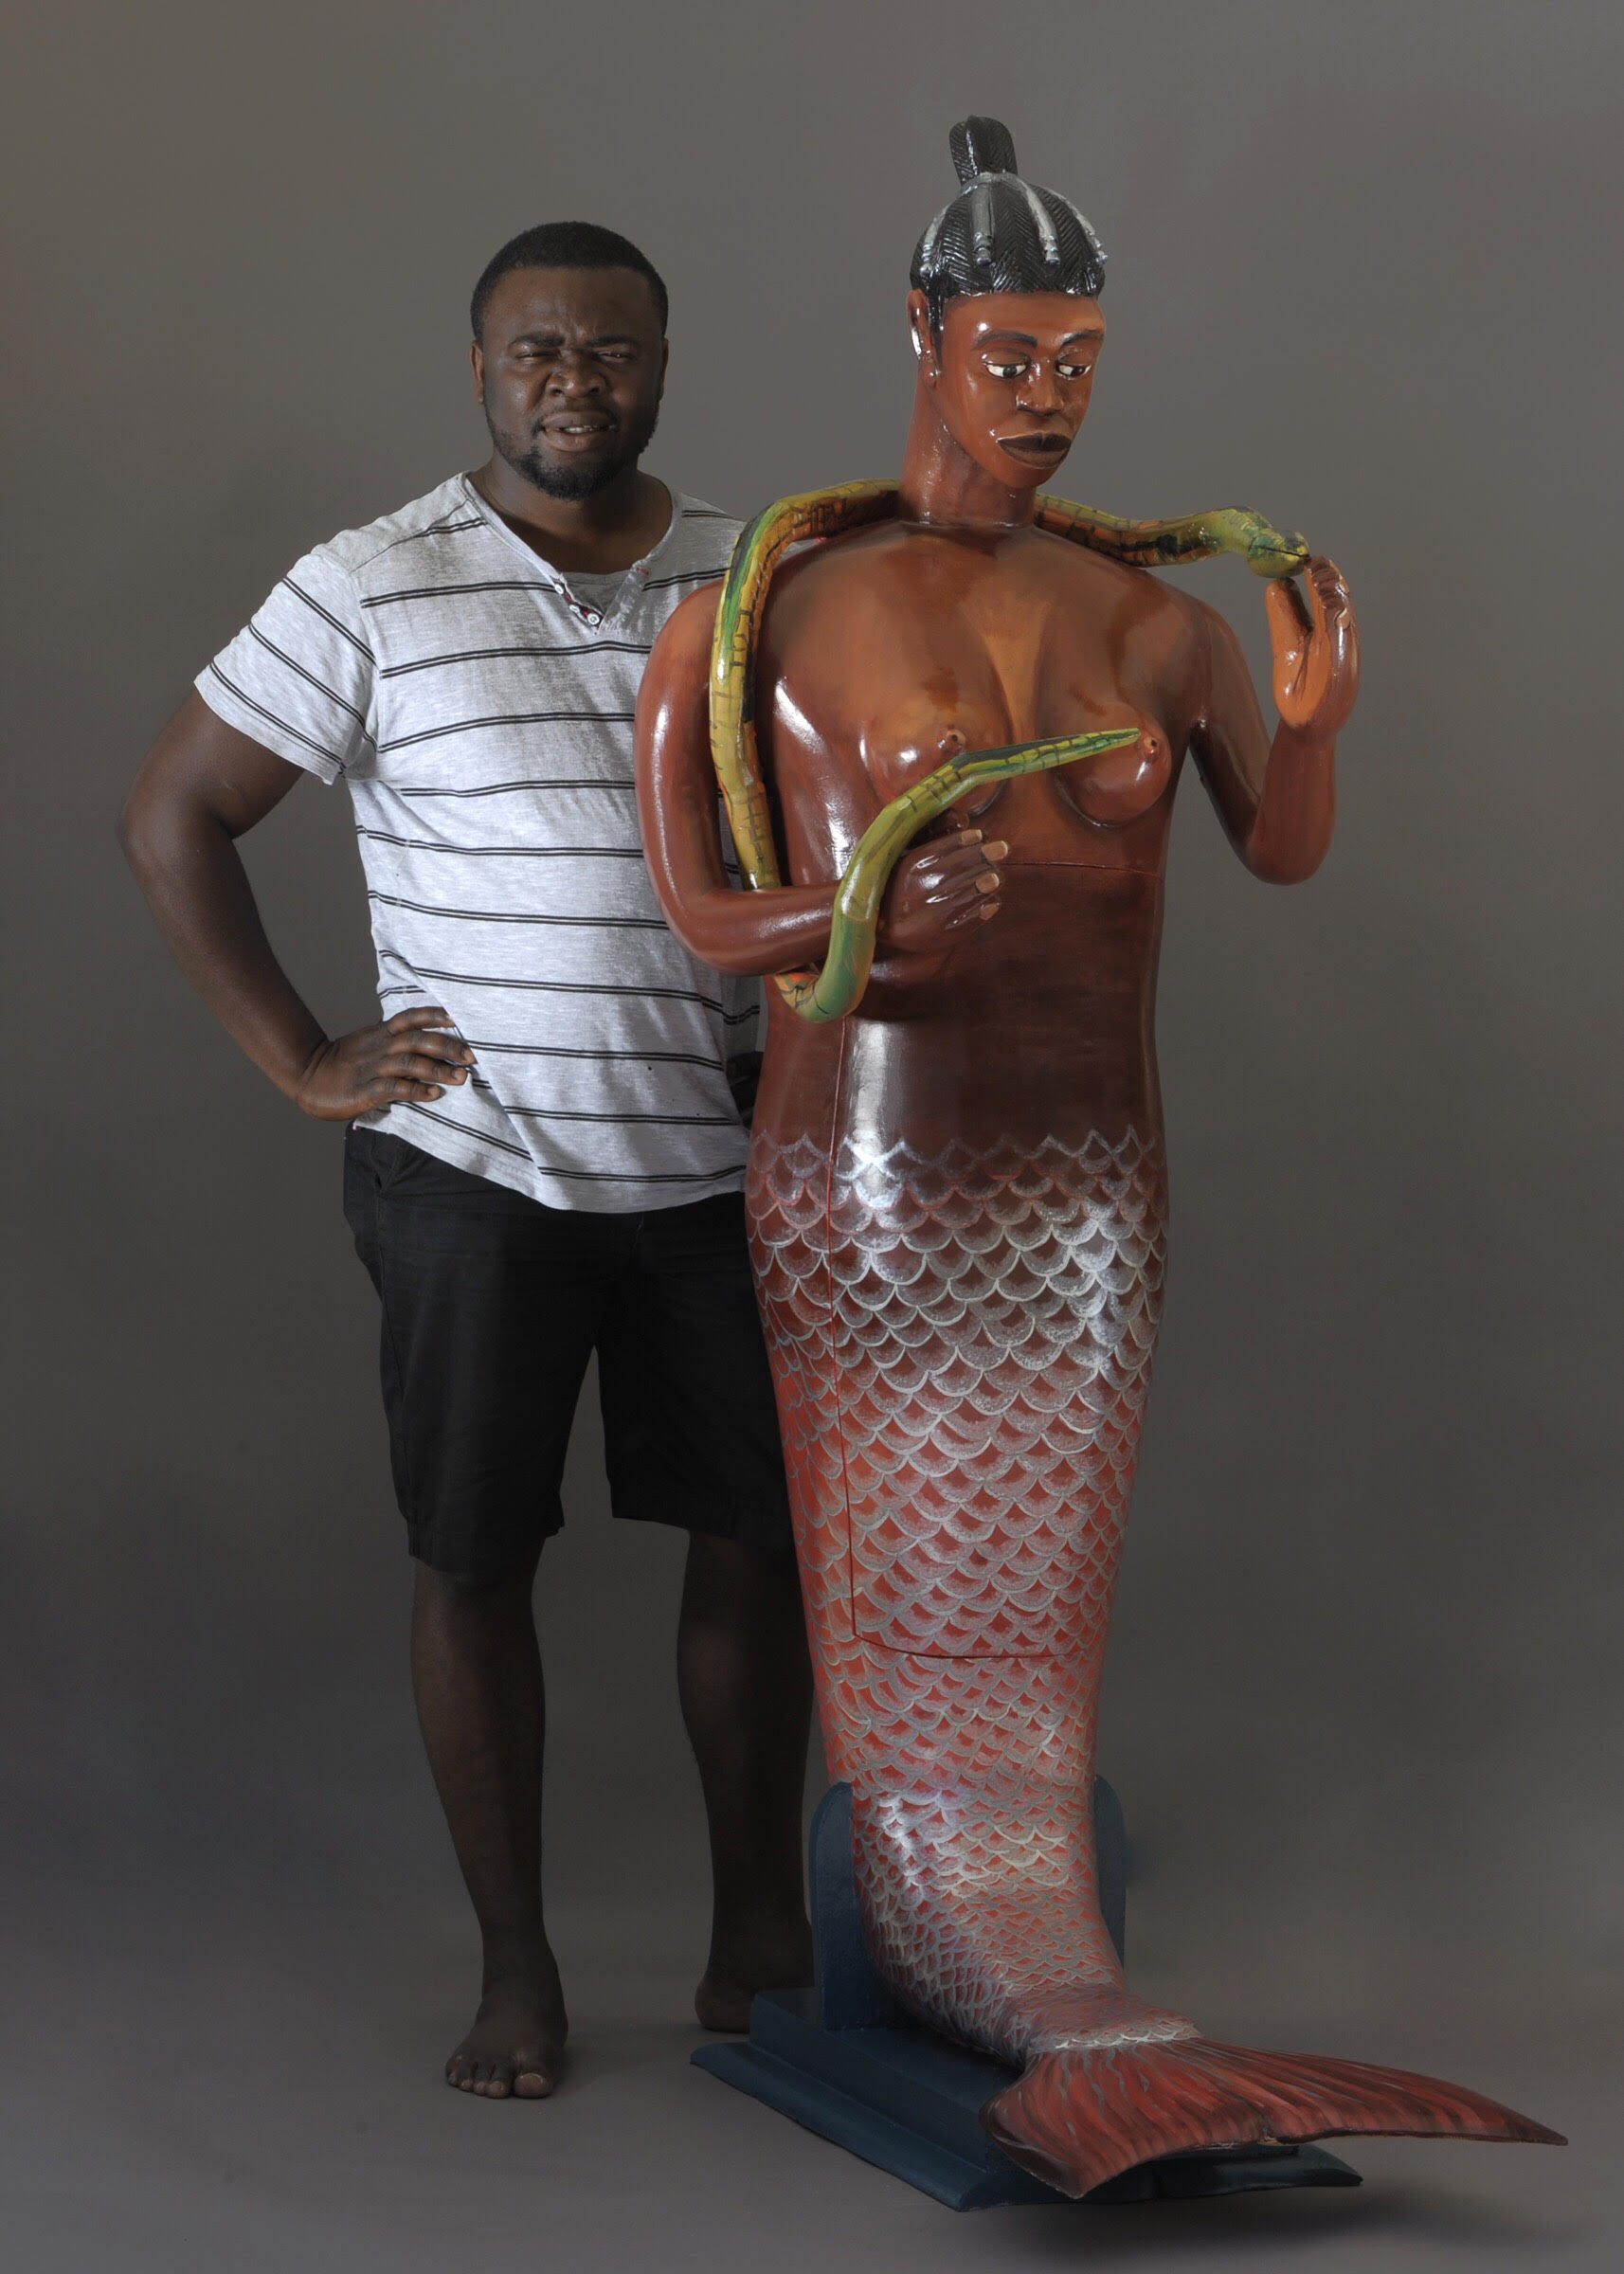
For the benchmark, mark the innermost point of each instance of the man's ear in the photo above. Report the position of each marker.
(665, 365)
(919, 331)
(476, 363)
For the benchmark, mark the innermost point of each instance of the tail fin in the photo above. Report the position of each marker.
(1078, 2119)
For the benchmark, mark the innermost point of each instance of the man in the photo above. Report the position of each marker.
(543, 1156)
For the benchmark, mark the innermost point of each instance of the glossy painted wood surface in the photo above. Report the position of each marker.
(957, 1202)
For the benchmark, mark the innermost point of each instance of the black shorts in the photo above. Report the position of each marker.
(493, 1303)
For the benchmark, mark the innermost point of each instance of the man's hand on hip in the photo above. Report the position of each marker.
(409, 1057)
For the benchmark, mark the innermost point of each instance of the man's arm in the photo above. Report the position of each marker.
(202, 785)
(1277, 799)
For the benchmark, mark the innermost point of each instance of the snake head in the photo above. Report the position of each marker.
(1271, 551)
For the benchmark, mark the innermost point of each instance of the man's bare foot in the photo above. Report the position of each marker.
(517, 2044)
(762, 1957)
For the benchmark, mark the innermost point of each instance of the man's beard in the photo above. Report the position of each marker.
(575, 478)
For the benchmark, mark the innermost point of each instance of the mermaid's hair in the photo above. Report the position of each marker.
(1001, 234)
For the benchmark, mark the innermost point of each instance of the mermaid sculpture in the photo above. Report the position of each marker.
(957, 1191)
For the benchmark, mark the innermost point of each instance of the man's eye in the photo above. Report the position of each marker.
(1073, 370)
(1006, 370)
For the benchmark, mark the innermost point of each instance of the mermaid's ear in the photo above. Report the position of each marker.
(981, 146)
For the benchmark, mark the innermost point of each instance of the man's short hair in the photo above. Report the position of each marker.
(566, 244)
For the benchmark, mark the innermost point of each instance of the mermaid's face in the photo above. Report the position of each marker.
(1011, 376)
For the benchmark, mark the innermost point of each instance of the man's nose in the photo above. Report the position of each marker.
(575, 374)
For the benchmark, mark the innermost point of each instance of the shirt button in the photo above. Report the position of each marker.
(592, 617)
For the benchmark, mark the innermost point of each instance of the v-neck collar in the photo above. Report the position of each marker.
(634, 579)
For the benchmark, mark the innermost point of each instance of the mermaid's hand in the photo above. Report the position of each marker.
(1316, 656)
(938, 888)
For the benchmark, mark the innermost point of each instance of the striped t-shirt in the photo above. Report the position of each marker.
(481, 712)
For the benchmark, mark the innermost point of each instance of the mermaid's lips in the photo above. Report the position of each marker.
(1035, 449)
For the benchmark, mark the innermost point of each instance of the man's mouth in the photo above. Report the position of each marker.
(1035, 449)
(576, 434)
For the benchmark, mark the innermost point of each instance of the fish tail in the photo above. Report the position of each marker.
(1078, 2117)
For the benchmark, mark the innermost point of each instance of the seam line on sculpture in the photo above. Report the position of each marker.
(1107, 868)
(834, 1347)
(976, 1657)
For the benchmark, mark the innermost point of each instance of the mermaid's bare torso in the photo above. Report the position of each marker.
(1038, 1026)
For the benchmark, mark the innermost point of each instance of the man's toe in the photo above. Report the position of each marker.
(532, 2077)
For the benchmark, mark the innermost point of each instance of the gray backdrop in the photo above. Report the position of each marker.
(1362, 1702)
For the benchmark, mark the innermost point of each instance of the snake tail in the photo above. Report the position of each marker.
(1079, 2117)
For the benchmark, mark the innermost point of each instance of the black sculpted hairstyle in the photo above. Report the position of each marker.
(565, 244)
(1001, 234)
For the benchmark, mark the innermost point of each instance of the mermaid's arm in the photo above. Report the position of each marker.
(905, 899)
(1276, 797)
(775, 929)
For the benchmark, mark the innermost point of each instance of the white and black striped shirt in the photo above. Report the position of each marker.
(481, 712)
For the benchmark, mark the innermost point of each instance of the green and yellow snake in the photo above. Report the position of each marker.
(836, 990)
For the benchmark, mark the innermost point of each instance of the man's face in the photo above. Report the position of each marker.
(570, 369)
(1013, 374)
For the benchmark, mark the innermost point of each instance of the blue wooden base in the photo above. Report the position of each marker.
(845, 2061)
